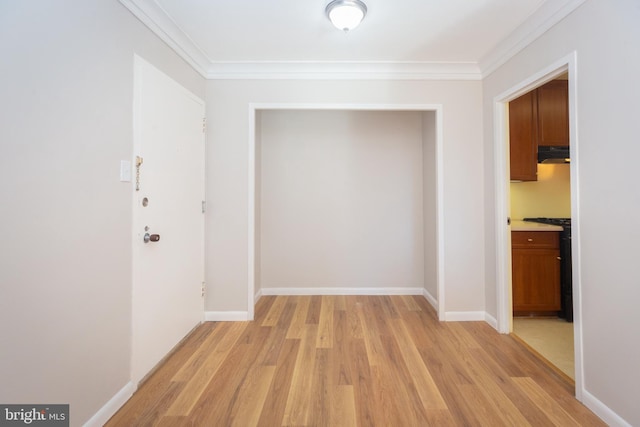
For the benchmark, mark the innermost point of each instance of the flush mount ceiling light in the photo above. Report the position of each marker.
(346, 14)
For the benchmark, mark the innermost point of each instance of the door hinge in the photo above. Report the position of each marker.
(203, 289)
(204, 124)
(204, 206)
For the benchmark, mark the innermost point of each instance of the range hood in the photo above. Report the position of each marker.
(553, 154)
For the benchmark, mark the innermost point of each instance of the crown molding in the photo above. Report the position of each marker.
(158, 21)
(162, 25)
(329, 70)
(548, 15)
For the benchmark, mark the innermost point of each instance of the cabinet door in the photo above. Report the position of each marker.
(536, 280)
(523, 151)
(553, 113)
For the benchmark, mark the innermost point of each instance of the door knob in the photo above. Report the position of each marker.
(151, 237)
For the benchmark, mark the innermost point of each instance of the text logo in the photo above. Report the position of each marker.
(34, 415)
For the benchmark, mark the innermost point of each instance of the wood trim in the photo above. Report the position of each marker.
(570, 382)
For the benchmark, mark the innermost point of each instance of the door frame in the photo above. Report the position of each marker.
(437, 301)
(502, 206)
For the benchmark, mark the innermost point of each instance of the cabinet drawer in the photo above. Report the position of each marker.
(535, 239)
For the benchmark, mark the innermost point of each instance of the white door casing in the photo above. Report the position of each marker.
(502, 204)
(168, 275)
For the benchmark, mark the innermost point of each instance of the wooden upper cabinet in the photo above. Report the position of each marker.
(553, 113)
(540, 117)
(523, 131)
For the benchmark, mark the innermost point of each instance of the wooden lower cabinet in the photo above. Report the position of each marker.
(535, 258)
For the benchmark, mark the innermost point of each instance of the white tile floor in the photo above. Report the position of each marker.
(552, 338)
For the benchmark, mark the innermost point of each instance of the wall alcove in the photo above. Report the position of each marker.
(345, 201)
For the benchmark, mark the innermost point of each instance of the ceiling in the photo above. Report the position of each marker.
(459, 39)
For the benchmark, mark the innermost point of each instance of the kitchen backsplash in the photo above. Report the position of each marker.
(550, 196)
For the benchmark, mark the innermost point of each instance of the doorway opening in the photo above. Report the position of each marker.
(516, 236)
(262, 130)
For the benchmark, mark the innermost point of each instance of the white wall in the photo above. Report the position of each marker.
(429, 198)
(227, 186)
(66, 93)
(258, 205)
(606, 37)
(342, 199)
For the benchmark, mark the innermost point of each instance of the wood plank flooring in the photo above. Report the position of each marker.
(352, 361)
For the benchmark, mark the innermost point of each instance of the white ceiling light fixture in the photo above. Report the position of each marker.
(346, 14)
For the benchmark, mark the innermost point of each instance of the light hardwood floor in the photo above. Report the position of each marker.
(352, 361)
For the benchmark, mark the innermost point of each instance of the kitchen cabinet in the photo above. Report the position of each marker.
(540, 117)
(523, 151)
(553, 113)
(535, 258)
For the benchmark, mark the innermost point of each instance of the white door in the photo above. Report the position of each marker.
(168, 269)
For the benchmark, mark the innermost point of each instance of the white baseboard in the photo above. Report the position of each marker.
(491, 320)
(257, 296)
(430, 298)
(111, 407)
(464, 316)
(342, 291)
(226, 316)
(603, 411)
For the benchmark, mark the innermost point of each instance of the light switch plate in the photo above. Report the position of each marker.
(125, 171)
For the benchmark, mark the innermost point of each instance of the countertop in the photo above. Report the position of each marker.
(519, 225)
